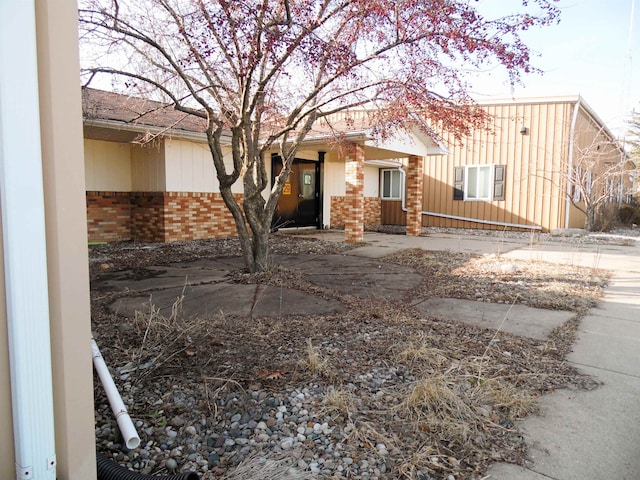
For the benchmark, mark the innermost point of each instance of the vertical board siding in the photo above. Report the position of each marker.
(533, 163)
(392, 213)
(147, 168)
(107, 166)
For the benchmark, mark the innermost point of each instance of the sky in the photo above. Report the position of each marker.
(587, 53)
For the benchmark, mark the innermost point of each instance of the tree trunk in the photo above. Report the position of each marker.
(261, 250)
(590, 218)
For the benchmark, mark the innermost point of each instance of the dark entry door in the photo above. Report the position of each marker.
(299, 203)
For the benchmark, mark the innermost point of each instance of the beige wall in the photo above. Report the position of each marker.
(334, 184)
(189, 167)
(66, 230)
(147, 168)
(107, 166)
(532, 194)
(371, 181)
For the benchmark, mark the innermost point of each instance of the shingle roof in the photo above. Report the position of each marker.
(115, 107)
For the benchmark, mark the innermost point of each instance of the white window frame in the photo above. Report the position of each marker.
(489, 189)
(393, 172)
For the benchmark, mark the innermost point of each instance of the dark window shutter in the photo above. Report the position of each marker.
(499, 172)
(458, 183)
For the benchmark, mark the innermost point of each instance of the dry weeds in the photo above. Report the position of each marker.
(450, 393)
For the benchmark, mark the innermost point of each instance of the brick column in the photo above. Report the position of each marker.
(354, 203)
(415, 182)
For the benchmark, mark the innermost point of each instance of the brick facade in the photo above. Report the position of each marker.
(108, 216)
(157, 216)
(354, 199)
(415, 181)
(147, 216)
(196, 216)
(372, 211)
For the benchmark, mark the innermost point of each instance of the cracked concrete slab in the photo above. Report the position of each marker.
(359, 276)
(520, 320)
(152, 278)
(208, 301)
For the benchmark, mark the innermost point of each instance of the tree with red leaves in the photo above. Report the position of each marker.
(267, 70)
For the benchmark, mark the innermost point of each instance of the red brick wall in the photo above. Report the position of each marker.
(147, 216)
(108, 216)
(372, 211)
(157, 216)
(195, 216)
(354, 199)
(415, 181)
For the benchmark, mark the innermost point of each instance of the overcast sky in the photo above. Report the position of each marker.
(587, 53)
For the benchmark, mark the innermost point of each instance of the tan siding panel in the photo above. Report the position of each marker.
(531, 194)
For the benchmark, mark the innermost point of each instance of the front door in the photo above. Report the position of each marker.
(299, 203)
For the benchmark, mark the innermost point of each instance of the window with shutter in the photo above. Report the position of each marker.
(479, 182)
(499, 172)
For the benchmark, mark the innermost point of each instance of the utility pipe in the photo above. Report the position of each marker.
(24, 247)
(572, 133)
(127, 429)
(456, 217)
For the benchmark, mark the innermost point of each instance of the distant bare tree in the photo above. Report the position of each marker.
(632, 143)
(599, 176)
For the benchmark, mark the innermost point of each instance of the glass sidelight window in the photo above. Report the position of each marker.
(391, 184)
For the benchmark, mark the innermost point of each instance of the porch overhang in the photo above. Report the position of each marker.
(413, 142)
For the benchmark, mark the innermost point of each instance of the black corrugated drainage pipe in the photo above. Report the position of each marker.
(108, 470)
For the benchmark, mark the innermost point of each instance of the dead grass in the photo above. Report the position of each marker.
(339, 402)
(259, 467)
(451, 391)
(167, 342)
(510, 400)
(313, 361)
(417, 352)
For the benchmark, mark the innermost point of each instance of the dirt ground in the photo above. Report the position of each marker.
(450, 394)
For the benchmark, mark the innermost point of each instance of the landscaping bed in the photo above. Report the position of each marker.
(381, 391)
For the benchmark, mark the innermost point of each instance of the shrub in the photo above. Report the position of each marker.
(629, 214)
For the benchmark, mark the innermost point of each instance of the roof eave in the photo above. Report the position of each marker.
(200, 137)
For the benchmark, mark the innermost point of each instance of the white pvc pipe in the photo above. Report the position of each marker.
(456, 217)
(24, 248)
(127, 429)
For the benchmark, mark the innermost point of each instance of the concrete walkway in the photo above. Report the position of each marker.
(578, 435)
(592, 435)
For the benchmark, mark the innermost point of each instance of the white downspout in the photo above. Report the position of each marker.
(572, 133)
(456, 217)
(24, 245)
